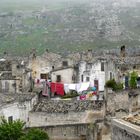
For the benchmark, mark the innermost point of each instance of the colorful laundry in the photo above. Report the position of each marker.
(83, 97)
(57, 88)
(82, 86)
(72, 86)
(53, 88)
(46, 88)
(66, 88)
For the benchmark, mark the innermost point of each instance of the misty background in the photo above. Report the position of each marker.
(68, 25)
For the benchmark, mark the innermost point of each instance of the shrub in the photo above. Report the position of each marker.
(70, 95)
(133, 80)
(115, 86)
(35, 134)
(110, 84)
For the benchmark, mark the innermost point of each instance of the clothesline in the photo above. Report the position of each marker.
(61, 89)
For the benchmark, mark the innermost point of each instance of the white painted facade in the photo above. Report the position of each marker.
(65, 73)
(88, 72)
(18, 110)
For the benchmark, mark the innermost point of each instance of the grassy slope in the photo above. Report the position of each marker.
(40, 40)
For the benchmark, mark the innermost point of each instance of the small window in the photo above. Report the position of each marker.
(134, 67)
(10, 119)
(82, 78)
(102, 66)
(58, 78)
(43, 76)
(73, 78)
(18, 66)
(52, 67)
(111, 76)
(65, 63)
(87, 79)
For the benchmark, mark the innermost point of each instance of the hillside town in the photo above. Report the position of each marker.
(78, 96)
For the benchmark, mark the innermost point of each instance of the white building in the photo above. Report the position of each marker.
(93, 72)
(14, 107)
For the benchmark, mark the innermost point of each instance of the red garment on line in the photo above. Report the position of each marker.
(57, 88)
(38, 81)
(53, 89)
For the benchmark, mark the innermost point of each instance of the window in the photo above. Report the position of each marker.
(58, 78)
(102, 66)
(43, 76)
(89, 66)
(134, 67)
(65, 63)
(73, 78)
(10, 119)
(82, 78)
(6, 86)
(111, 76)
(87, 79)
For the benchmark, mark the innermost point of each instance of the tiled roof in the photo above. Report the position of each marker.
(134, 119)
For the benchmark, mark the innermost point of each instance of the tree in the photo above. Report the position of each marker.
(11, 130)
(35, 134)
(14, 131)
(133, 80)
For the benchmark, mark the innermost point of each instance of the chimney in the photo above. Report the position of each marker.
(122, 51)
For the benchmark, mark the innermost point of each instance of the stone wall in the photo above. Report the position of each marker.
(66, 75)
(92, 71)
(122, 130)
(117, 103)
(18, 108)
(7, 86)
(39, 119)
(73, 131)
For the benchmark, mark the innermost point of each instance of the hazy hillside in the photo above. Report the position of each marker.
(66, 25)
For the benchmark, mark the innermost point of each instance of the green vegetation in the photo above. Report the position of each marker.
(65, 26)
(35, 134)
(72, 94)
(14, 131)
(114, 85)
(133, 80)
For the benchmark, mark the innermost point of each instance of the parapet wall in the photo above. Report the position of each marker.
(39, 119)
(122, 130)
(74, 131)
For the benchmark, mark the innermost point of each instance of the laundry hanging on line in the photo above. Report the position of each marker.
(57, 88)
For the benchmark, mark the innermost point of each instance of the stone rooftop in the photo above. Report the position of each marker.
(64, 106)
(11, 98)
(134, 119)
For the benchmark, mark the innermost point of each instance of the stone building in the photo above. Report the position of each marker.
(93, 72)
(42, 65)
(64, 71)
(67, 119)
(13, 106)
(15, 77)
(119, 66)
(127, 128)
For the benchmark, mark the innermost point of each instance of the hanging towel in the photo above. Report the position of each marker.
(60, 89)
(72, 86)
(83, 97)
(66, 88)
(38, 81)
(53, 88)
(82, 86)
(46, 88)
(57, 88)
